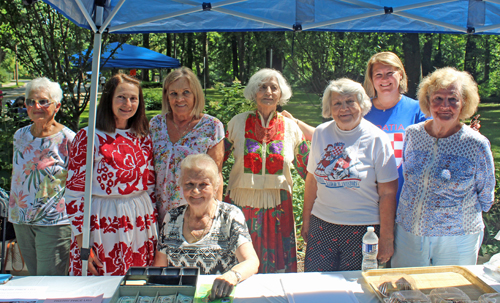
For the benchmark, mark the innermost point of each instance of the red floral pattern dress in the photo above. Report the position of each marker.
(123, 229)
(272, 229)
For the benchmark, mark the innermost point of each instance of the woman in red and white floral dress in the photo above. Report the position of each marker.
(123, 229)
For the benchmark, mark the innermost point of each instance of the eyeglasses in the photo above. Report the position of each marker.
(41, 102)
(438, 101)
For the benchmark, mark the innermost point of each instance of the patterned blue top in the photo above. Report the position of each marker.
(448, 183)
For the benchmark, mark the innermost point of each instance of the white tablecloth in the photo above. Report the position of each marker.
(259, 288)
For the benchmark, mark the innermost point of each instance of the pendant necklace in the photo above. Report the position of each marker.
(187, 127)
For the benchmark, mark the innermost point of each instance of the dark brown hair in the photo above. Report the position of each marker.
(105, 118)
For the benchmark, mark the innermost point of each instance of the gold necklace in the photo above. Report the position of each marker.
(210, 219)
(178, 128)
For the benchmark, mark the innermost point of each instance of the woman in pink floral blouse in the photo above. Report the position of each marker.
(123, 229)
(182, 129)
(266, 145)
(39, 171)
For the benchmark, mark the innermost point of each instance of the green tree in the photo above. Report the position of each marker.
(46, 43)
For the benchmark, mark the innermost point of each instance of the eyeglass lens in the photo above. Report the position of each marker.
(41, 102)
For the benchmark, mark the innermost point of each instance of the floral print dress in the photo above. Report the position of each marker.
(264, 155)
(39, 178)
(123, 229)
(207, 133)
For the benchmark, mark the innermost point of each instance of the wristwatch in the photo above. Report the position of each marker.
(238, 275)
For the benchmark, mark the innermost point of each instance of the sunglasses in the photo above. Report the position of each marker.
(41, 102)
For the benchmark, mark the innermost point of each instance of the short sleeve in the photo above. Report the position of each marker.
(313, 153)
(219, 133)
(385, 162)
(239, 228)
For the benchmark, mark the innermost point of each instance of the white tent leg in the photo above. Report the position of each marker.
(96, 63)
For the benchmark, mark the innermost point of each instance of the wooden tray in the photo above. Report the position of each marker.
(429, 278)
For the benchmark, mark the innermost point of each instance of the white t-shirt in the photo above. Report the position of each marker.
(347, 166)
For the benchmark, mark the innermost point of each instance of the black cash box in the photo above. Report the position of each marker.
(157, 281)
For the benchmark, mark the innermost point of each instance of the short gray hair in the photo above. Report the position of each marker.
(204, 163)
(260, 77)
(345, 87)
(53, 89)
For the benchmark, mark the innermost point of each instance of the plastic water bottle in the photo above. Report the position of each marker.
(370, 250)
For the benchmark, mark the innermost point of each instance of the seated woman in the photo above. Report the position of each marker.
(207, 233)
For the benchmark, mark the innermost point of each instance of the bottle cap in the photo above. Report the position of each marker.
(370, 228)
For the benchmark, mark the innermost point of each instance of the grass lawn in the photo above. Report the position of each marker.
(490, 127)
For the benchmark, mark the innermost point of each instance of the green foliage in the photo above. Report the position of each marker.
(231, 103)
(5, 76)
(152, 99)
(46, 42)
(298, 199)
(10, 122)
(145, 84)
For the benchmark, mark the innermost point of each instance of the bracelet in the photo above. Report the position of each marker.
(238, 276)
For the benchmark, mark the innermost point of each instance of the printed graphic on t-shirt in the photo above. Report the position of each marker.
(396, 138)
(337, 167)
(397, 144)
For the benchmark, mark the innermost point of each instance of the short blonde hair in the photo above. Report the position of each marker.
(444, 77)
(387, 58)
(260, 77)
(202, 162)
(345, 87)
(194, 84)
(53, 89)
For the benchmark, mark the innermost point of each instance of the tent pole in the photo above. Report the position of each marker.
(90, 152)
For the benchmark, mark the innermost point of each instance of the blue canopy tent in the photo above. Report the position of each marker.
(177, 16)
(130, 56)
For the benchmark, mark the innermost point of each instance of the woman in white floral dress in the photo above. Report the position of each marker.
(181, 130)
(123, 230)
(39, 171)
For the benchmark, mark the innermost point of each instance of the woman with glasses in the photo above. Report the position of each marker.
(123, 230)
(449, 177)
(39, 171)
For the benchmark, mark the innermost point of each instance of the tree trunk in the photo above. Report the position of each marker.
(234, 45)
(241, 57)
(427, 55)
(438, 60)
(190, 50)
(470, 55)
(169, 49)
(145, 44)
(411, 49)
(206, 69)
(487, 60)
